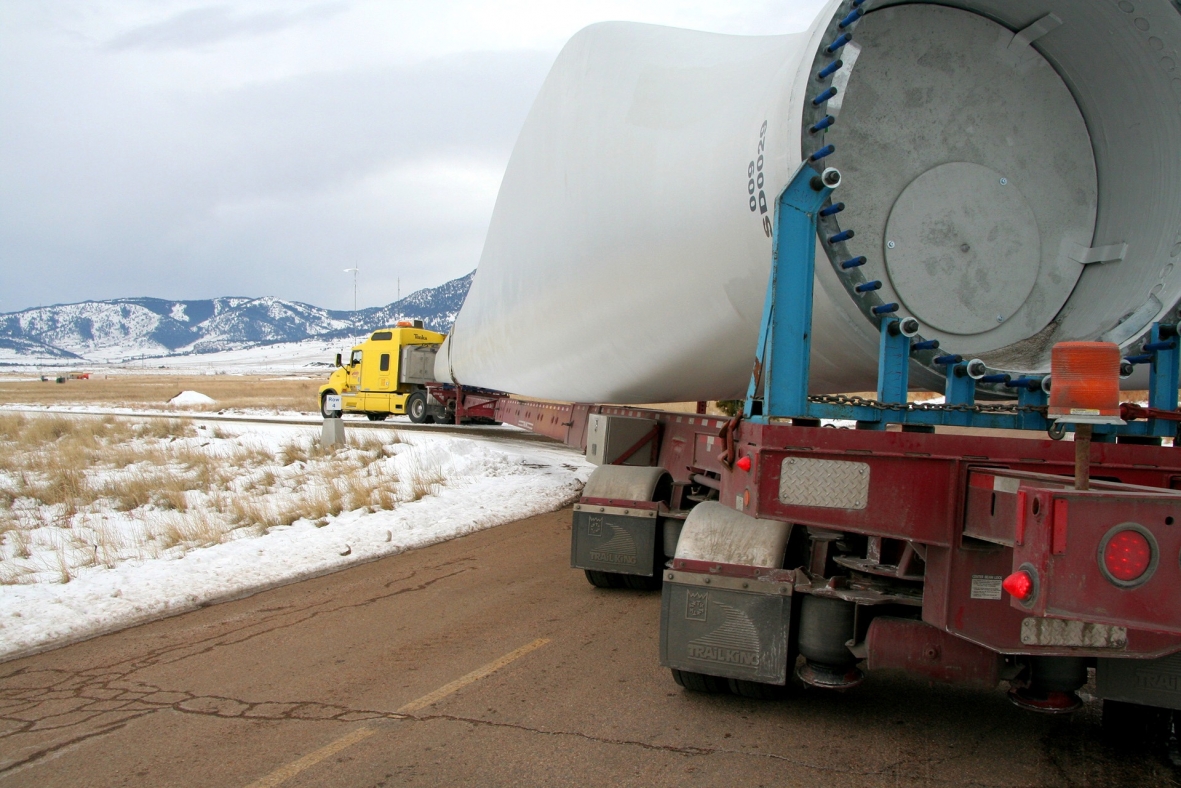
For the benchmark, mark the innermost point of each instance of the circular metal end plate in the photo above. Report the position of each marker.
(966, 248)
(936, 112)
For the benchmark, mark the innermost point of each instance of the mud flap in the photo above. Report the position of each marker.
(723, 626)
(614, 539)
(1149, 682)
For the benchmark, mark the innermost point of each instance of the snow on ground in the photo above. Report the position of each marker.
(439, 485)
(191, 398)
(309, 355)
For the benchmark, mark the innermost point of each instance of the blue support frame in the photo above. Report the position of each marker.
(779, 385)
(784, 352)
(893, 362)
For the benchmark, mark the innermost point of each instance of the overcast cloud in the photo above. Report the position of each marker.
(186, 150)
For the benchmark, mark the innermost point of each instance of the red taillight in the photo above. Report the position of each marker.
(743, 463)
(1019, 584)
(1127, 555)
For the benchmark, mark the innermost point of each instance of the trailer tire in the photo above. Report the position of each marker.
(641, 583)
(756, 689)
(377, 416)
(416, 408)
(1133, 725)
(328, 414)
(699, 682)
(603, 579)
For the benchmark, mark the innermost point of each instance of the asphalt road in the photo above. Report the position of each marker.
(487, 661)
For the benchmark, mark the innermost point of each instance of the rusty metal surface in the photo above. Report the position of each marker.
(924, 650)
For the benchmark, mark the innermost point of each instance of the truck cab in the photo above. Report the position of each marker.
(384, 372)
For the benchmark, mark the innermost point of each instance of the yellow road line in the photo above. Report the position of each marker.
(284, 773)
(475, 675)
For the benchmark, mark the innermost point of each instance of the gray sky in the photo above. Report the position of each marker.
(189, 150)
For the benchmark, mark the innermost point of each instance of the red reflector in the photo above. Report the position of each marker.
(1019, 584)
(743, 464)
(1127, 555)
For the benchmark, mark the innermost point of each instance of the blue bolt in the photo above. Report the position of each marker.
(854, 263)
(868, 287)
(997, 378)
(1146, 358)
(832, 209)
(853, 16)
(840, 42)
(827, 150)
(926, 344)
(843, 235)
(823, 97)
(1032, 384)
(948, 359)
(822, 124)
(830, 69)
(1152, 347)
(884, 309)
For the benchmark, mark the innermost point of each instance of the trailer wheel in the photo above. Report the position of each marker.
(377, 416)
(755, 689)
(1134, 725)
(603, 579)
(699, 682)
(328, 414)
(416, 408)
(641, 583)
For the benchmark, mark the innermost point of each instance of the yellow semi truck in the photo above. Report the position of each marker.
(385, 375)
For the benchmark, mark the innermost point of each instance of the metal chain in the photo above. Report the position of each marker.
(842, 399)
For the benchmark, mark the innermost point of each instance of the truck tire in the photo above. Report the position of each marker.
(328, 414)
(642, 583)
(756, 689)
(377, 416)
(1134, 725)
(699, 682)
(603, 579)
(416, 408)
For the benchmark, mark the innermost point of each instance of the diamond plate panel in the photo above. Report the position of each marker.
(829, 484)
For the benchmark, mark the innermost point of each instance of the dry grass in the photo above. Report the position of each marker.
(79, 492)
(423, 480)
(154, 391)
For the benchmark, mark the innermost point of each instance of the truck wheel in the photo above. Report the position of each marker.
(603, 579)
(328, 414)
(1134, 725)
(755, 689)
(416, 408)
(699, 682)
(641, 583)
(377, 416)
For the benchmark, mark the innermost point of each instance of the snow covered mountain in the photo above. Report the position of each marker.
(129, 328)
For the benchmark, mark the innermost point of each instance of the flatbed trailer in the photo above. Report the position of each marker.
(786, 547)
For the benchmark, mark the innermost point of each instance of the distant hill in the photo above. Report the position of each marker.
(128, 328)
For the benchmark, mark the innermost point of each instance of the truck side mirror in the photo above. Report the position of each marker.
(338, 360)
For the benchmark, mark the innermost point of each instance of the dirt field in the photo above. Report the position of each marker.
(154, 391)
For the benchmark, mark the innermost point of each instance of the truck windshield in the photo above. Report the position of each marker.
(356, 359)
